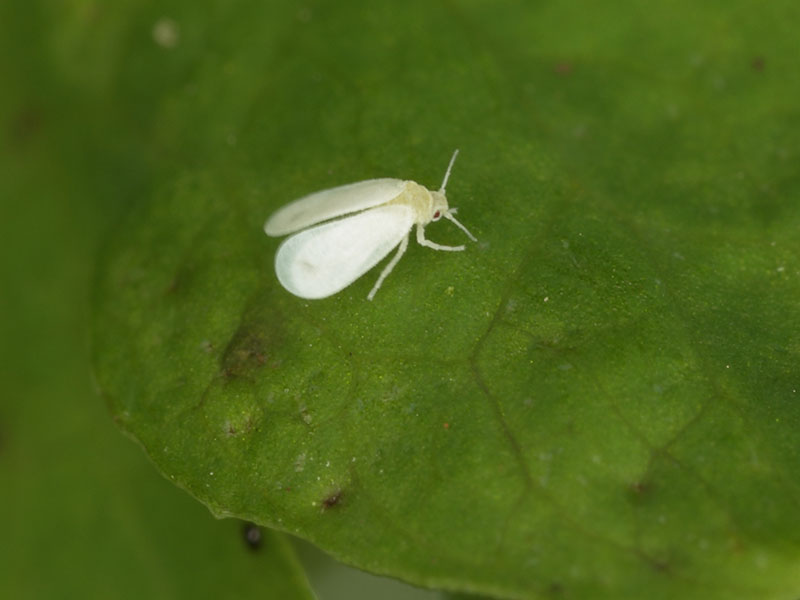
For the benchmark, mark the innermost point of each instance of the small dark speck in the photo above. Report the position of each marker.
(252, 536)
(555, 589)
(332, 500)
(25, 125)
(758, 63)
(639, 491)
(563, 68)
(660, 565)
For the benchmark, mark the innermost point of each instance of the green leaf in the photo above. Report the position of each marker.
(597, 398)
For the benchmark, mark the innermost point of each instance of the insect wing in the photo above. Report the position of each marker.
(319, 262)
(335, 202)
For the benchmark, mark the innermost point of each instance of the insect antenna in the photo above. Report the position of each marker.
(447, 175)
(449, 216)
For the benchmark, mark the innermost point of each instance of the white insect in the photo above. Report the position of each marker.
(322, 260)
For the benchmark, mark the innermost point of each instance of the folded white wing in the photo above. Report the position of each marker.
(322, 260)
(335, 202)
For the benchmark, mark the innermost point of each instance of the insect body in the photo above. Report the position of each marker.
(325, 256)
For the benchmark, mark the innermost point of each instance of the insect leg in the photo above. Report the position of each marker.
(428, 244)
(388, 268)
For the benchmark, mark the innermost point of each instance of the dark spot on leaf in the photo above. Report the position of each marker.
(661, 565)
(563, 68)
(241, 427)
(555, 590)
(252, 536)
(181, 279)
(249, 350)
(24, 125)
(758, 63)
(640, 491)
(331, 500)
(658, 564)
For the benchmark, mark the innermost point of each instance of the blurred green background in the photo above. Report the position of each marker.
(98, 115)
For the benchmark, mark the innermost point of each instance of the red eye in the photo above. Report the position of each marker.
(436, 215)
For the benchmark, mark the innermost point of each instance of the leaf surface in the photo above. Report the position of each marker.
(597, 398)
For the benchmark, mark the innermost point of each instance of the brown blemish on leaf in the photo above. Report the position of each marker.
(555, 590)
(181, 280)
(250, 349)
(660, 565)
(639, 491)
(563, 68)
(331, 500)
(231, 430)
(24, 125)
